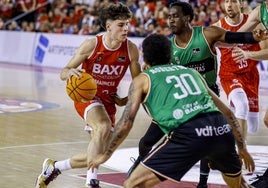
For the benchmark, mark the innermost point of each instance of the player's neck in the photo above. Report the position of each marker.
(110, 42)
(183, 38)
(235, 20)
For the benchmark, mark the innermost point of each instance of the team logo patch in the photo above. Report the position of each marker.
(121, 59)
(19, 105)
(196, 50)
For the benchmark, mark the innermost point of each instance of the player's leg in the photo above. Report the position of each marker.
(101, 125)
(204, 173)
(251, 88)
(265, 119)
(151, 137)
(204, 167)
(141, 177)
(239, 99)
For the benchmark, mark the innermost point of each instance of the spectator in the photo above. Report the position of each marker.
(141, 12)
(161, 12)
(6, 9)
(213, 18)
(26, 7)
(85, 30)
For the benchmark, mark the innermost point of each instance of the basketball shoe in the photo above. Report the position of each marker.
(261, 181)
(48, 174)
(94, 183)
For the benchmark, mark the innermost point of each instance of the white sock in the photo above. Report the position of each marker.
(63, 165)
(91, 175)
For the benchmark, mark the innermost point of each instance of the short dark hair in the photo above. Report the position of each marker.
(115, 11)
(156, 50)
(187, 9)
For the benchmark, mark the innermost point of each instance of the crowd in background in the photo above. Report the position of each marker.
(81, 16)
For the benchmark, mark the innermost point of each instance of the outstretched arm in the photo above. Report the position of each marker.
(252, 21)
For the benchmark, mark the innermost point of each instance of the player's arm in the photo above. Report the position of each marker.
(252, 21)
(214, 34)
(135, 68)
(240, 55)
(84, 50)
(137, 89)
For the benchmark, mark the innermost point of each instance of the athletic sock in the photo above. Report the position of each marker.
(91, 175)
(204, 172)
(63, 165)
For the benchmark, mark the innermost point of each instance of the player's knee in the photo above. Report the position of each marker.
(103, 130)
(241, 104)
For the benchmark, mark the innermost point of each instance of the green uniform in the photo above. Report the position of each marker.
(176, 94)
(264, 15)
(198, 55)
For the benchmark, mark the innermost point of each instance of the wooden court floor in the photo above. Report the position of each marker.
(37, 120)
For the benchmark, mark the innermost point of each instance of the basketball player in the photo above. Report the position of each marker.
(256, 16)
(180, 101)
(106, 57)
(240, 79)
(192, 47)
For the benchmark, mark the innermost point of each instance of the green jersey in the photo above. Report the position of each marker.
(198, 55)
(176, 94)
(264, 15)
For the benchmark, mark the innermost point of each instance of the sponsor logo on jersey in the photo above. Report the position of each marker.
(196, 50)
(213, 131)
(121, 59)
(108, 69)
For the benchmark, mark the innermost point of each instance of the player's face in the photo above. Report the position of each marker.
(118, 29)
(233, 8)
(176, 20)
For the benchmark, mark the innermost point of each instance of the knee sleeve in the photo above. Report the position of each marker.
(253, 122)
(239, 100)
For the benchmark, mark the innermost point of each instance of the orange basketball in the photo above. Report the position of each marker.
(82, 89)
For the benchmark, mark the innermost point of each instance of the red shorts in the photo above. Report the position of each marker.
(249, 82)
(83, 107)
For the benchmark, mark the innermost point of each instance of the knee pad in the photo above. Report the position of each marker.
(239, 100)
(253, 122)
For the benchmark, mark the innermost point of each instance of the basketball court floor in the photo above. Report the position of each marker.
(38, 121)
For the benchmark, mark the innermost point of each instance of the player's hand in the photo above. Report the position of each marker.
(119, 101)
(260, 35)
(98, 160)
(239, 55)
(74, 72)
(246, 159)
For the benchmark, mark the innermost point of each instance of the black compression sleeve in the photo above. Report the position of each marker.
(240, 37)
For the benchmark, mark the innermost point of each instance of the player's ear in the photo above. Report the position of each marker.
(108, 26)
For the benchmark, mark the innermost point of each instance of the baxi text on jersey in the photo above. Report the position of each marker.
(108, 69)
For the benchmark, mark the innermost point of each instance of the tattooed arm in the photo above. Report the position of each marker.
(137, 90)
(237, 132)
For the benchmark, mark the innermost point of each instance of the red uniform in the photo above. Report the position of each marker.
(108, 67)
(242, 74)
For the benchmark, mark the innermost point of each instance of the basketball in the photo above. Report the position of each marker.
(81, 89)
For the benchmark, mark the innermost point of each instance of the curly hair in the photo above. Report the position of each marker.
(113, 12)
(156, 50)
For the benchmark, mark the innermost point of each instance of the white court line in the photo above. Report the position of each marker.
(53, 144)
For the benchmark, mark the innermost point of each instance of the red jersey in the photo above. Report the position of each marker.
(108, 67)
(228, 67)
